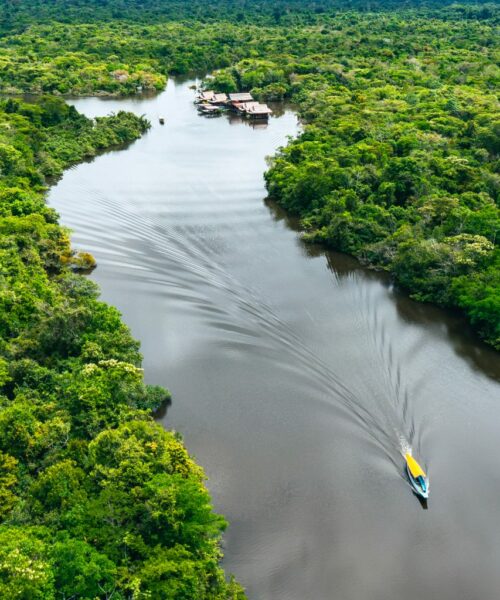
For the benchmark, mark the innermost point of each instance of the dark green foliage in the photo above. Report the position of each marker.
(19, 13)
(398, 161)
(397, 164)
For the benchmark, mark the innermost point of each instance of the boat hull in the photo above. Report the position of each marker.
(416, 487)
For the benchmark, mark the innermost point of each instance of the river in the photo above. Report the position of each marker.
(298, 377)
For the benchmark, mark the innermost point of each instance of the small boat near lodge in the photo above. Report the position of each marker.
(418, 479)
(210, 110)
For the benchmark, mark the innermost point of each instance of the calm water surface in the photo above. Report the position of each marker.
(298, 377)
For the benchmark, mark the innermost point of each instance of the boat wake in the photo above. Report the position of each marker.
(392, 401)
(183, 263)
(176, 247)
(405, 446)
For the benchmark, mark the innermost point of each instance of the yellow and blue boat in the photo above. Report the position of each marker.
(418, 479)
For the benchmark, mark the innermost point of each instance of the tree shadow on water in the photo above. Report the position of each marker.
(445, 323)
(451, 324)
(161, 412)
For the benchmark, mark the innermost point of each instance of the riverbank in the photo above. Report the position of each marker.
(396, 164)
(97, 499)
(295, 372)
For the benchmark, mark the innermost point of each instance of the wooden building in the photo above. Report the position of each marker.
(253, 109)
(220, 99)
(241, 97)
(212, 103)
(206, 96)
(258, 111)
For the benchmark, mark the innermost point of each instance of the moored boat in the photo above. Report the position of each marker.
(210, 110)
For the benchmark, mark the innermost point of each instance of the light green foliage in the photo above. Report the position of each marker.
(81, 571)
(8, 481)
(24, 571)
(96, 500)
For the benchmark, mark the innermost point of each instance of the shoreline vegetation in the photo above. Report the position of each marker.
(397, 164)
(97, 500)
(398, 160)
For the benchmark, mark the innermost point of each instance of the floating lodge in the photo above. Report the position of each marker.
(211, 104)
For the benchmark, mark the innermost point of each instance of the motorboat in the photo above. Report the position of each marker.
(418, 479)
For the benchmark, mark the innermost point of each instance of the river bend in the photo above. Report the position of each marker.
(298, 377)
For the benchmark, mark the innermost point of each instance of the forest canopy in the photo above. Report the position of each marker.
(19, 13)
(397, 163)
(398, 160)
(96, 500)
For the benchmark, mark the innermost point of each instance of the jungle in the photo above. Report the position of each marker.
(397, 164)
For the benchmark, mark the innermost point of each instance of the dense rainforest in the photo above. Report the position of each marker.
(398, 160)
(397, 164)
(97, 501)
(17, 14)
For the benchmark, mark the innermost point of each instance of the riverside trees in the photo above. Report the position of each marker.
(96, 500)
(397, 164)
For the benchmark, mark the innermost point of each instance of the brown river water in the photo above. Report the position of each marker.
(298, 377)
